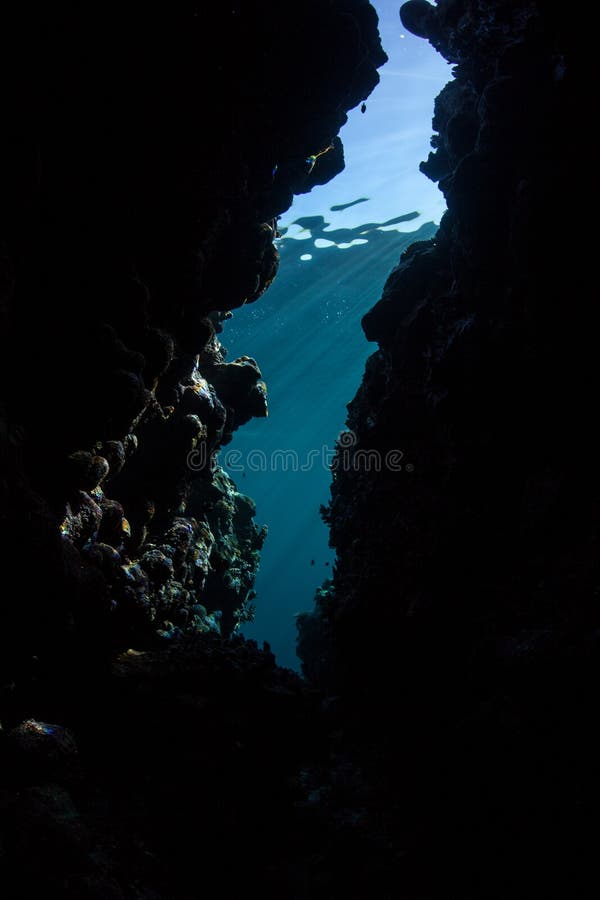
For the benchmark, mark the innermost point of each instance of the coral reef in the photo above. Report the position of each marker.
(145, 160)
(461, 624)
(484, 520)
(155, 790)
(140, 204)
(444, 743)
(315, 636)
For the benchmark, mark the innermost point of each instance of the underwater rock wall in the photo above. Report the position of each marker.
(481, 529)
(145, 165)
(461, 629)
(145, 158)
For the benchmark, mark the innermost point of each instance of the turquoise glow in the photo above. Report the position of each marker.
(305, 331)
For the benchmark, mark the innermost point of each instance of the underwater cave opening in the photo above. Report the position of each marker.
(337, 247)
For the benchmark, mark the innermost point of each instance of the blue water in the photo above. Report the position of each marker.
(305, 331)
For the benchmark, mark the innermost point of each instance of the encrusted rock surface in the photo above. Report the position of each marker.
(483, 374)
(462, 623)
(449, 747)
(147, 152)
(145, 165)
(162, 789)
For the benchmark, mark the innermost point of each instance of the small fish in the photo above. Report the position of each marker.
(363, 108)
(312, 562)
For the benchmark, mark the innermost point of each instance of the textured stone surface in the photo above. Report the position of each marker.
(462, 622)
(454, 753)
(145, 165)
(146, 155)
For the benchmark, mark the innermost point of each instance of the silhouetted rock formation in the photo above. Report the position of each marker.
(448, 747)
(462, 611)
(145, 158)
(145, 164)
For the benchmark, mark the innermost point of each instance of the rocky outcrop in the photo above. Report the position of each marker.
(146, 750)
(145, 166)
(154, 791)
(461, 624)
(142, 755)
(482, 373)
